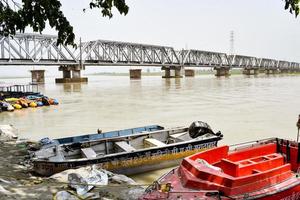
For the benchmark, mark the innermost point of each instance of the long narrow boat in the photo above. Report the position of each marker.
(266, 170)
(128, 153)
(46, 142)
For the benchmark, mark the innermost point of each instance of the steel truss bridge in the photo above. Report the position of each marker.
(36, 49)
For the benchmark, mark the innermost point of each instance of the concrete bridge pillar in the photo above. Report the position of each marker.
(261, 70)
(177, 72)
(189, 72)
(294, 70)
(268, 71)
(76, 74)
(271, 71)
(66, 73)
(222, 71)
(71, 74)
(251, 71)
(135, 73)
(167, 72)
(37, 76)
(284, 71)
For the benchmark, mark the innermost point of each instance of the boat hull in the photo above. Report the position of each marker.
(132, 162)
(272, 176)
(290, 192)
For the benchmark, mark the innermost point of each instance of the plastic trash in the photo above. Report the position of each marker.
(84, 185)
(8, 132)
(55, 102)
(46, 141)
(64, 195)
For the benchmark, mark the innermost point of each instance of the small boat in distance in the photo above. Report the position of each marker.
(266, 169)
(129, 151)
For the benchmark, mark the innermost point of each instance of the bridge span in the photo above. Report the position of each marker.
(37, 49)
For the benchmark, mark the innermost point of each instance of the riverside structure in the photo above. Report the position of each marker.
(37, 49)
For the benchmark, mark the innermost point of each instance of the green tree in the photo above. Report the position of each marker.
(16, 17)
(292, 6)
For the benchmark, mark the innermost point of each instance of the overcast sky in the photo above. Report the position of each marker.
(261, 28)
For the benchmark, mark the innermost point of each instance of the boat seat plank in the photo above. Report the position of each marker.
(124, 146)
(153, 142)
(88, 153)
(177, 136)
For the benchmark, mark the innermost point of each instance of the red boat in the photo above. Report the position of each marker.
(265, 169)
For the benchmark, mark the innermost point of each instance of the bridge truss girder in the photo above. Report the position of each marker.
(36, 49)
(23, 49)
(197, 58)
(103, 52)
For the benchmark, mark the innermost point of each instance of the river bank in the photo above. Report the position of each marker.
(18, 181)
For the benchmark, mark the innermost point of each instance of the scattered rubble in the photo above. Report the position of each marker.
(7, 133)
(17, 181)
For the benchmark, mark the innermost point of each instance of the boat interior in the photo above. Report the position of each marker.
(118, 133)
(109, 146)
(242, 170)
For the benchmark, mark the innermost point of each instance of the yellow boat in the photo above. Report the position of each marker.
(11, 99)
(32, 104)
(17, 106)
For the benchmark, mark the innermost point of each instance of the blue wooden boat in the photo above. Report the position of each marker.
(128, 151)
(46, 142)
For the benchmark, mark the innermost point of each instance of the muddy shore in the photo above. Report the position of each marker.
(18, 181)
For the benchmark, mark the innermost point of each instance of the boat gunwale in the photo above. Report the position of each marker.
(212, 138)
(117, 137)
(163, 128)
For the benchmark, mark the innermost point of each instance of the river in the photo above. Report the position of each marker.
(242, 108)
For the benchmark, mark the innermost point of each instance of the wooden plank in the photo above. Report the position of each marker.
(88, 153)
(124, 146)
(153, 142)
(177, 135)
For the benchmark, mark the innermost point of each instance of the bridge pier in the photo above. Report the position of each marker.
(222, 71)
(294, 70)
(251, 71)
(271, 71)
(37, 76)
(168, 70)
(71, 74)
(189, 73)
(284, 71)
(135, 73)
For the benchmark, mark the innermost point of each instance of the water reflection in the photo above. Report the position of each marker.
(178, 83)
(72, 87)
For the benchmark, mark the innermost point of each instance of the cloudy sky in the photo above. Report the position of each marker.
(261, 28)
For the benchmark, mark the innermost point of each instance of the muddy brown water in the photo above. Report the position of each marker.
(243, 108)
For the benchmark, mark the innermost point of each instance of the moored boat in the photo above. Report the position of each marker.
(126, 152)
(6, 106)
(46, 142)
(266, 169)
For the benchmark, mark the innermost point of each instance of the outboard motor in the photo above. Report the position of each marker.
(199, 128)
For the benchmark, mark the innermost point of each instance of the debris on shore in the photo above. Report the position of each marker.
(18, 181)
